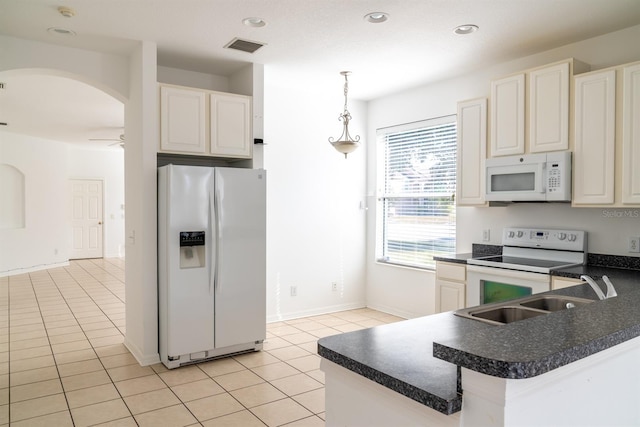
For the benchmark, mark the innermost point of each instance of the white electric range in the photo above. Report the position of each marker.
(528, 256)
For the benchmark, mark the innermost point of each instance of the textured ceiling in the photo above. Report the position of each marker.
(313, 40)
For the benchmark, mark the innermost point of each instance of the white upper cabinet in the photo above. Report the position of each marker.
(548, 114)
(231, 126)
(183, 121)
(507, 116)
(197, 121)
(472, 151)
(535, 118)
(594, 156)
(607, 138)
(631, 135)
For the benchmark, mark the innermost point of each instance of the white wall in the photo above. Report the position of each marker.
(410, 292)
(48, 165)
(106, 165)
(45, 239)
(142, 125)
(315, 227)
(176, 76)
(105, 71)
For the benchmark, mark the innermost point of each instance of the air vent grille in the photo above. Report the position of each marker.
(244, 45)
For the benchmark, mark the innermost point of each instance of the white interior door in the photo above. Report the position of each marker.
(86, 218)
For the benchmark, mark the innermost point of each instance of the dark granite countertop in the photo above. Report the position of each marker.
(420, 358)
(456, 258)
(477, 251)
(596, 272)
(536, 346)
(530, 348)
(400, 356)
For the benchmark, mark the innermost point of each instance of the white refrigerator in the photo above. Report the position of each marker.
(211, 262)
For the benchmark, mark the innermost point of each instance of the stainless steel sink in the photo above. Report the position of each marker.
(554, 302)
(506, 314)
(521, 309)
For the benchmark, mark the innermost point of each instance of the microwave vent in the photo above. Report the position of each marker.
(244, 45)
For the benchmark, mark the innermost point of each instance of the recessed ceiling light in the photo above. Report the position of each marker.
(67, 12)
(376, 17)
(61, 31)
(254, 22)
(465, 29)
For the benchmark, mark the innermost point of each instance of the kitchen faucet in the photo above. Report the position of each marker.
(611, 292)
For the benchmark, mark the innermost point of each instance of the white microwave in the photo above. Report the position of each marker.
(544, 177)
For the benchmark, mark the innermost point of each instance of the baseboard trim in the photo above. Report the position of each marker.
(394, 311)
(314, 312)
(24, 270)
(143, 360)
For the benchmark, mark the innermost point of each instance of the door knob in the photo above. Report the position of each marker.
(99, 222)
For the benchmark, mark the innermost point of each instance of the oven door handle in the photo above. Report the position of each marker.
(504, 272)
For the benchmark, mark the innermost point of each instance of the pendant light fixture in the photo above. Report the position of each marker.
(345, 143)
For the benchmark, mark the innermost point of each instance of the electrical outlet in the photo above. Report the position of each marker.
(486, 235)
(294, 291)
(634, 244)
(334, 286)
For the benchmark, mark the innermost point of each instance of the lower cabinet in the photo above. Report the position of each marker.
(451, 286)
(563, 282)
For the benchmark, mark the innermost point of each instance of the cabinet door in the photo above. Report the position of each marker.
(472, 152)
(231, 133)
(182, 120)
(564, 282)
(594, 157)
(631, 135)
(549, 108)
(507, 116)
(449, 296)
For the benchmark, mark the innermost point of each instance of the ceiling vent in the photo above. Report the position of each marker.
(244, 45)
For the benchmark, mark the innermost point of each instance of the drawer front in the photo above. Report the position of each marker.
(559, 283)
(449, 271)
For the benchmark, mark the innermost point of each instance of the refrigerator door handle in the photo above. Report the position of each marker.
(217, 226)
(213, 220)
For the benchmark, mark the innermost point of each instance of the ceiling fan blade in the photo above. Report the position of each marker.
(120, 139)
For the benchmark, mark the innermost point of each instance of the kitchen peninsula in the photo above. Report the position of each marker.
(571, 367)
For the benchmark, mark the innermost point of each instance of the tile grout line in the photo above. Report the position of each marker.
(92, 348)
(81, 289)
(35, 296)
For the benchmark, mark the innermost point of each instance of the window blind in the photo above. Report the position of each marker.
(416, 207)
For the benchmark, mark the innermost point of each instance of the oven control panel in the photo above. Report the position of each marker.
(568, 240)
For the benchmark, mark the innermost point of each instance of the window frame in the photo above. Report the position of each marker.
(382, 134)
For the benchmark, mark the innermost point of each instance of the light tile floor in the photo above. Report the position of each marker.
(62, 361)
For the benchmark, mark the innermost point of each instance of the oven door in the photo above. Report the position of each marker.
(490, 284)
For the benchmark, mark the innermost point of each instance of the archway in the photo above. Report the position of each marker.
(51, 117)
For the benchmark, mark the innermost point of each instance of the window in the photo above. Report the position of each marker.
(416, 187)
